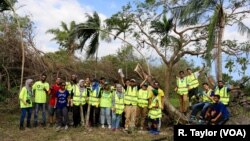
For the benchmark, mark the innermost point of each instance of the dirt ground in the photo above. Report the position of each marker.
(9, 131)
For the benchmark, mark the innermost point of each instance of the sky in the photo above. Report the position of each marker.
(47, 14)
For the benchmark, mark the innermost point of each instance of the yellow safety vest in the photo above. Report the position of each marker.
(94, 99)
(78, 98)
(106, 99)
(205, 97)
(143, 98)
(155, 113)
(182, 86)
(192, 81)
(119, 104)
(70, 87)
(131, 96)
(224, 96)
(25, 95)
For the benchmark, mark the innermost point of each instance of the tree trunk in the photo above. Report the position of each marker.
(219, 51)
(171, 110)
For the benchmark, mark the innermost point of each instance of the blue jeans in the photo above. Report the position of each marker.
(105, 114)
(116, 118)
(23, 115)
(203, 106)
(37, 107)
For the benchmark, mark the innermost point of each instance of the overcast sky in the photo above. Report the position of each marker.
(47, 14)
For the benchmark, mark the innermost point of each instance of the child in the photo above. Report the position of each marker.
(155, 113)
(62, 101)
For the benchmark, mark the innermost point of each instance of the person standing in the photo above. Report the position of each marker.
(105, 105)
(40, 89)
(117, 106)
(94, 101)
(71, 86)
(79, 98)
(155, 112)
(130, 101)
(193, 84)
(142, 106)
(26, 103)
(54, 88)
(182, 91)
(61, 103)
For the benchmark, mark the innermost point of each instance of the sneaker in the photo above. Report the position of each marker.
(109, 127)
(156, 132)
(103, 126)
(66, 127)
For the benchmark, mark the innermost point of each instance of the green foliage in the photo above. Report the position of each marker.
(88, 31)
(6, 5)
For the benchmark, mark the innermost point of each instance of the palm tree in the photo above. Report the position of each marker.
(219, 15)
(6, 5)
(88, 31)
(62, 37)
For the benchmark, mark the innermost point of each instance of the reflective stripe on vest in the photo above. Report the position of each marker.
(182, 86)
(131, 96)
(155, 113)
(106, 99)
(205, 97)
(224, 96)
(93, 99)
(143, 98)
(119, 104)
(192, 81)
(79, 98)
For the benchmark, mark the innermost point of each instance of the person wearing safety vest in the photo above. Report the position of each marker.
(130, 101)
(105, 105)
(40, 90)
(182, 91)
(79, 98)
(207, 100)
(70, 86)
(160, 95)
(193, 84)
(61, 103)
(155, 112)
(142, 106)
(221, 90)
(117, 106)
(94, 102)
(26, 103)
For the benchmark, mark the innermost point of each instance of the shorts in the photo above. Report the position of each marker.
(52, 110)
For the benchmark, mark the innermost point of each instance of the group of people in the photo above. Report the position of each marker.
(212, 103)
(93, 102)
(115, 105)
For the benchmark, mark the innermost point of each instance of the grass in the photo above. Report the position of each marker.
(10, 122)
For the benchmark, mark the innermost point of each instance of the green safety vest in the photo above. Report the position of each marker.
(205, 96)
(131, 96)
(143, 98)
(94, 99)
(106, 99)
(224, 96)
(25, 95)
(155, 113)
(192, 81)
(78, 98)
(119, 104)
(182, 86)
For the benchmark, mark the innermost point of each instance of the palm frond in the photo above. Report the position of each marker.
(64, 26)
(93, 45)
(243, 29)
(211, 36)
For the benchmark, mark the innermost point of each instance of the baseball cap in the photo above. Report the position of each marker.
(132, 80)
